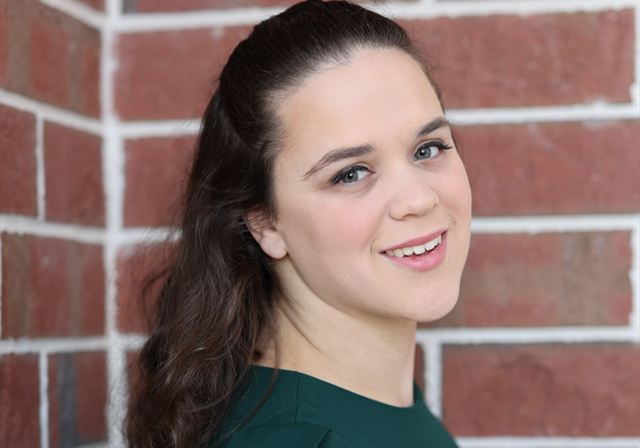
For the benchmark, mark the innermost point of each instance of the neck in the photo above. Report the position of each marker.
(367, 355)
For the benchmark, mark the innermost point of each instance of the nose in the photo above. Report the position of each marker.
(412, 194)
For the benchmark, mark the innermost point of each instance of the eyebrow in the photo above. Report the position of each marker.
(361, 150)
(433, 125)
(336, 155)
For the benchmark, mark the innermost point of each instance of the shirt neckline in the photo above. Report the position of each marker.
(312, 388)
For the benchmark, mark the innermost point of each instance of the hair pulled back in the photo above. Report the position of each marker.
(216, 301)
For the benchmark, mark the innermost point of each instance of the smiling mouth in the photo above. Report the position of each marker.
(414, 251)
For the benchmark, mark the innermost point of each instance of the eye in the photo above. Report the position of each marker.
(429, 150)
(351, 174)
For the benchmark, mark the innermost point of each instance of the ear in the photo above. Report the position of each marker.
(266, 234)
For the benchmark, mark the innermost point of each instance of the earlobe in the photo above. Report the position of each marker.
(266, 234)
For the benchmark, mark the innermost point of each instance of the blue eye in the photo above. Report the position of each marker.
(430, 149)
(351, 174)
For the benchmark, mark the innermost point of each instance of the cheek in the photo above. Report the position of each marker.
(455, 192)
(353, 222)
(457, 197)
(332, 225)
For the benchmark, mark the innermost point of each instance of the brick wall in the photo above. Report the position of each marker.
(99, 107)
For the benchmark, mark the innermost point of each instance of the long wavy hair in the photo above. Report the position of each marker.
(216, 302)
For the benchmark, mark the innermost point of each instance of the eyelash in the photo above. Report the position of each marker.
(356, 168)
(434, 143)
(350, 169)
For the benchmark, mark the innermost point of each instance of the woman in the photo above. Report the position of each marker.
(327, 213)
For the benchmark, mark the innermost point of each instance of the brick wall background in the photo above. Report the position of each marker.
(99, 107)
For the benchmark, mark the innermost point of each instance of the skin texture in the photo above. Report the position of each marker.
(348, 314)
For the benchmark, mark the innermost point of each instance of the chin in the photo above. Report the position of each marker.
(436, 308)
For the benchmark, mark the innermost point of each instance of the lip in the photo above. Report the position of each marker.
(426, 261)
(416, 241)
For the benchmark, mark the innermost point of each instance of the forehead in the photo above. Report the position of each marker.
(379, 96)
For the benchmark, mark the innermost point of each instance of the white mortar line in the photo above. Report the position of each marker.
(131, 23)
(51, 113)
(118, 392)
(548, 442)
(43, 367)
(165, 128)
(113, 169)
(433, 372)
(78, 11)
(529, 335)
(52, 345)
(453, 9)
(525, 115)
(132, 342)
(40, 171)
(557, 223)
(461, 117)
(114, 160)
(22, 225)
(147, 235)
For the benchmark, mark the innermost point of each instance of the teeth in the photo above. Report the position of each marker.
(422, 248)
(419, 249)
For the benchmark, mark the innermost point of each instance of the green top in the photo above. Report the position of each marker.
(305, 412)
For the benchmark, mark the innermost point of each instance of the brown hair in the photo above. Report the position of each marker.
(217, 297)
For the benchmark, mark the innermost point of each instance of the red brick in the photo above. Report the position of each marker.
(544, 280)
(553, 168)
(156, 172)
(4, 44)
(49, 63)
(537, 60)
(574, 390)
(16, 285)
(619, 307)
(132, 270)
(19, 401)
(18, 162)
(73, 176)
(88, 277)
(169, 74)
(530, 251)
(96, 4)
(91, 396)
(548, 59)
(51, 287)
(50, 308)
(90, 80)
(47, 57)
(54, 402)
(77, 398)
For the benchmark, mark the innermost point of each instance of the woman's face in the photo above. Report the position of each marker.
(368, 171)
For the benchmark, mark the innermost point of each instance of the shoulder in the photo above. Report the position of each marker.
(299, 435)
